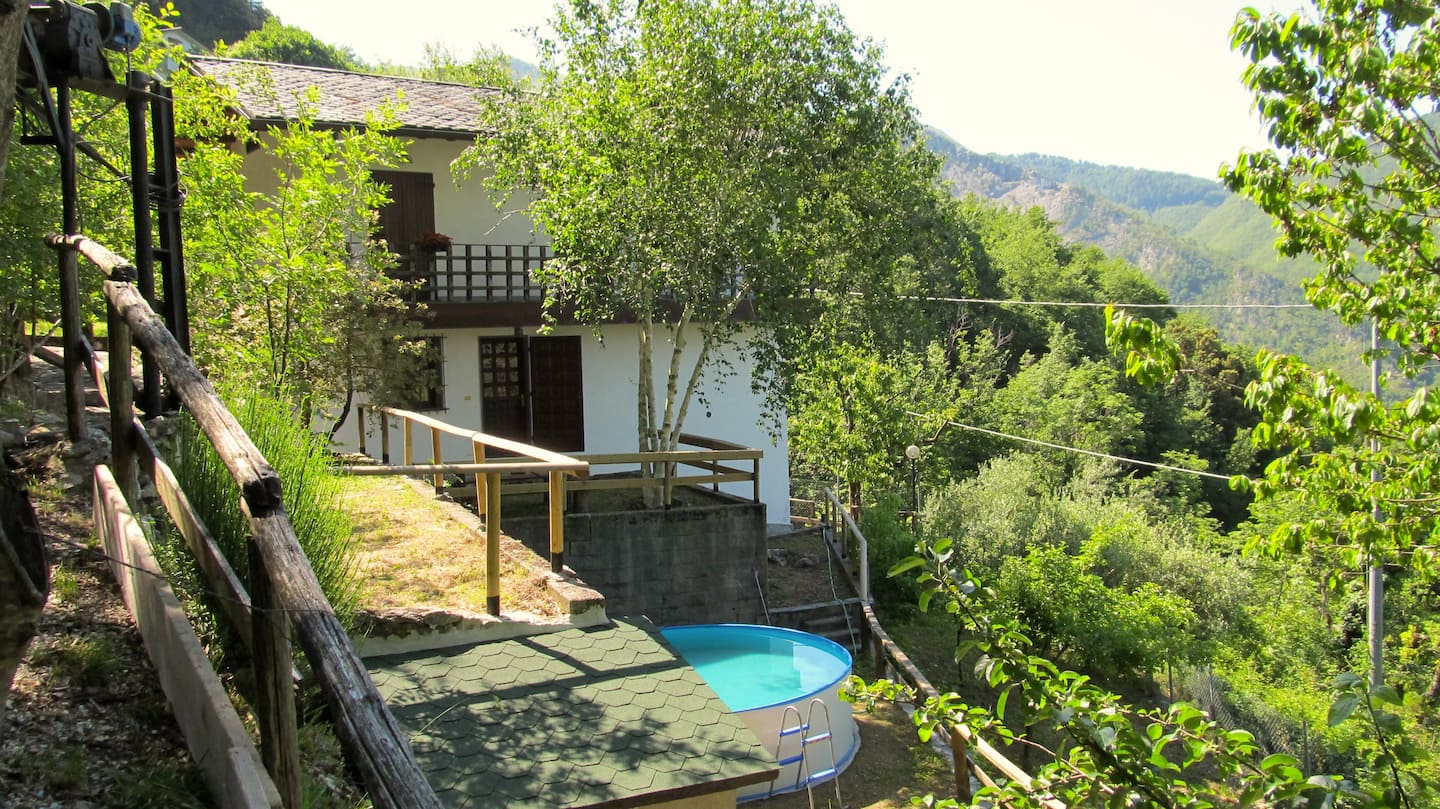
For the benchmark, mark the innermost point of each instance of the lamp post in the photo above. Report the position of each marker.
(913, 453)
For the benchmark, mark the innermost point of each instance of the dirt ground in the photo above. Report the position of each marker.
(87, 725)
(892, 767)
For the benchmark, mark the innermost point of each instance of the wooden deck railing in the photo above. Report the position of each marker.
(283, 586)
(474, 273)
(487, 471)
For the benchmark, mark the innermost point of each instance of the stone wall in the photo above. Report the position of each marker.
(683, 565)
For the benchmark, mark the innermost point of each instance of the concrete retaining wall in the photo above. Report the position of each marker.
(684, 565)
(217, 740)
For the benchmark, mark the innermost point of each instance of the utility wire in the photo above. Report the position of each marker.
(1090, 452)
(1093, 305)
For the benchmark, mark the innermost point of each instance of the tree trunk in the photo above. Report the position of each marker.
(1432, 694)
(24, 579)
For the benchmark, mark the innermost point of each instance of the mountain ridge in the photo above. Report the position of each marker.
(1191, 236)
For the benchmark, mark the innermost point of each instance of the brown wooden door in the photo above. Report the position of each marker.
(502, 388)
(530, 391)
(557, 409)
(411, 210)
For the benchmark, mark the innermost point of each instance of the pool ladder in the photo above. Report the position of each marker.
(808, 732)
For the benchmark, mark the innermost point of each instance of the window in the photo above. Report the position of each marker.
(430, 390)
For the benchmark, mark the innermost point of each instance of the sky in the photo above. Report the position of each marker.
(1144, 83)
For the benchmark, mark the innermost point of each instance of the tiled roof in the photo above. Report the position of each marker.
(270, 92)
(605, 716)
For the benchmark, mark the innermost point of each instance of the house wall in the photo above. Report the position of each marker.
(609, 372)
(468, 214)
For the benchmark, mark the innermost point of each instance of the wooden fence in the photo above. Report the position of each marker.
(713, 464)
(487, 471)
(892, 662)
(285, 592)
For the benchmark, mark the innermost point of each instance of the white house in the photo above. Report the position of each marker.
(566, 390)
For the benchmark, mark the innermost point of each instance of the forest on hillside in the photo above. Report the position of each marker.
(1112, 512)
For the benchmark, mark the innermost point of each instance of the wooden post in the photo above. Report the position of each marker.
(492, 542)
(360, 425)
(274, 691)
(122, 447)
(70, 270)
(408, 432)
(137, 104)
(438, 479)
(384, 437)
(481, 498)
(557, 521)
(960, 753)
(756, 463)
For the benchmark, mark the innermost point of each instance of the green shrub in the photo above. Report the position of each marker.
(310, 490)
(890, 542)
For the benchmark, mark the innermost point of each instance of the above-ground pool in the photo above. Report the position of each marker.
(773, 679)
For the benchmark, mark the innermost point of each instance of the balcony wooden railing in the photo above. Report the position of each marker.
(474, 273)
(554, 466)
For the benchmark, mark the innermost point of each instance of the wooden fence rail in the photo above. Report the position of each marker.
(373, 741)
(892, 662)
(531, 459)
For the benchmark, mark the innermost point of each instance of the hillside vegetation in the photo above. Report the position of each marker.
(1194, 239)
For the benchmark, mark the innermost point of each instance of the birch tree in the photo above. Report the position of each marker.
(696, 164)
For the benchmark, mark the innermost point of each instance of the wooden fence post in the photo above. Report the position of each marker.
(274, 691)
(492, 543)
(557, 521)
(408, 431)
(384, 437)
(438, 479)
(70, 269)
(360, 425)
(482, 499)
(960, 753)
(122, 447)
(73, 353)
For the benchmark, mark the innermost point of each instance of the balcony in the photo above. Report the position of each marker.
(476, 284)
(487, 285)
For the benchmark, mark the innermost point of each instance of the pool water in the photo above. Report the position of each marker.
(774, 679)
(754, 666)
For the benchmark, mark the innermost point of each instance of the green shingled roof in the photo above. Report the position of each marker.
(604, 716)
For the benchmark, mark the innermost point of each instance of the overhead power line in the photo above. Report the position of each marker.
(1092, 305)
(1077, 450)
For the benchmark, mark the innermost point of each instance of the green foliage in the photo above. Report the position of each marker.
(687, 157)
(1066, 399)
(88, 660)
(852, 419)
(1149, 356)
(282, 299)
(1112, 754)
(311, 493)
(1354, 184)
(1004, 511)
(1073, 616)
(889, 544)
(277, 42)
(212, 21)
